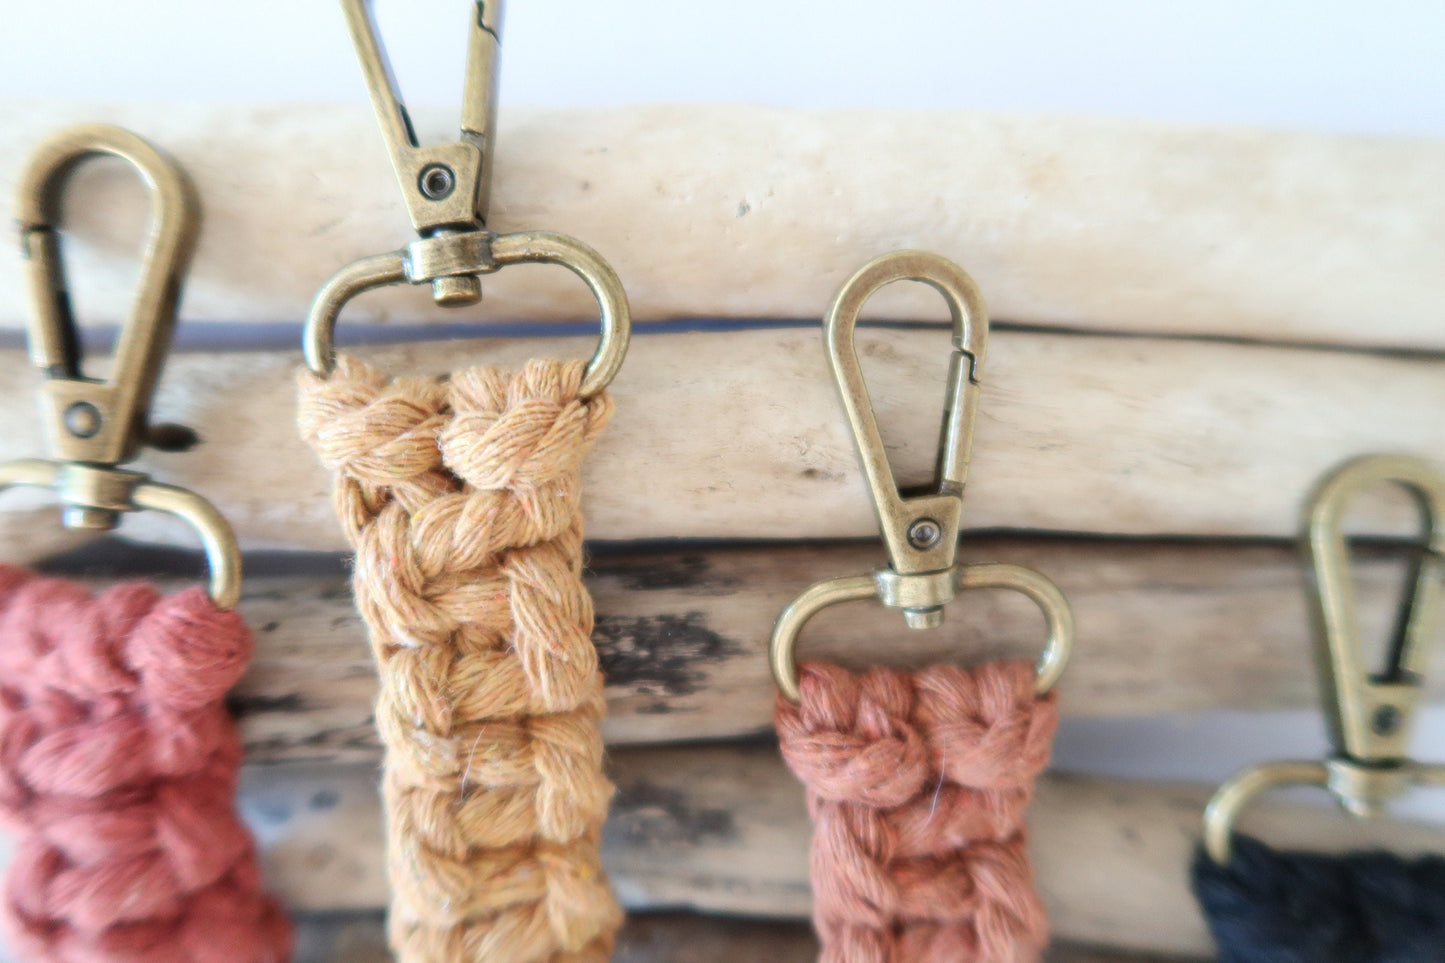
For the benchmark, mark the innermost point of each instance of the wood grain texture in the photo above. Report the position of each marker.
(683, 636)
(740, 434)
(723, 829)
(753, 212)
(649, 938)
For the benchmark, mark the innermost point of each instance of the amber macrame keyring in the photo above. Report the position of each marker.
(460, 494)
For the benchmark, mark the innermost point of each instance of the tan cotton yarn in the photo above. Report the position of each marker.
(460, 496)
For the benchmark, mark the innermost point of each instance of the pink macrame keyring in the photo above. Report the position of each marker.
(917, 782)
(118, 759)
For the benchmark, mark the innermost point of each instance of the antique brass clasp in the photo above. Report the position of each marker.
(447, 188)
(920, 530)
(93, 425)
(1370, 715)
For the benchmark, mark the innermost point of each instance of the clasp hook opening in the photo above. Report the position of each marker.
(94, 426)
(920, 530)
(1370, 715)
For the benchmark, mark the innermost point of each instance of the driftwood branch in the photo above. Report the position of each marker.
(1162, 628)
(724, 830)
(648, 938)
(749, 212)
(740, 434)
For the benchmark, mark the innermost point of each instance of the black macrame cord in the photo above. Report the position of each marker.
(1269, 906)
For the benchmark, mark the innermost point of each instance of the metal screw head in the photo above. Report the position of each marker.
(1385, 720)
(923, 618)
(437, 181)
(83, 419)
(924, 533)
(456, 290)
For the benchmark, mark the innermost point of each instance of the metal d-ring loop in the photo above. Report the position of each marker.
(1230, 799)
(223, 554)
(1058, 617)
(527, 247)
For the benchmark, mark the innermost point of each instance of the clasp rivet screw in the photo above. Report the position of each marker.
(83, 419)
(924, 533)
(437, 181)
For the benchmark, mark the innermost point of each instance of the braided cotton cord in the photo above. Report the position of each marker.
(917, 785)
(461, 498)
(1279, 907)
(118, 776)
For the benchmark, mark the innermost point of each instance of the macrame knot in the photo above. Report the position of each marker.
(917, 785)
(461, 497)
(118, 773)
(1280, 907)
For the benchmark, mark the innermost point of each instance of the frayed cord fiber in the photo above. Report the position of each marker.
(461, 497)
(917, 785)
(1270, 906)
(118, 770)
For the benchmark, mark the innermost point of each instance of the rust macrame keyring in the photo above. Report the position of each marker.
(447, 188)
(921, 531)
(918, 782)
(118, 756)
(95, 426)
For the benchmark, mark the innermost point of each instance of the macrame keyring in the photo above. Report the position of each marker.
(118, 759)
(1266, 906)
(917, 782)
(461, 497)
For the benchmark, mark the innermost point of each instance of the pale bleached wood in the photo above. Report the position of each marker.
(646, 938)
(740, 434)
(752, 212)
(1162, 628)
(724, 830)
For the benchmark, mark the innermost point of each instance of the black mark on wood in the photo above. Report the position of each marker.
(653, 816)
(325, 799)
(252, 705)
(696, 574)
(659, 655)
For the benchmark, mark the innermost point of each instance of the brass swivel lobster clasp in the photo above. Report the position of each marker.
(94, 426)
(447, 189)
(1370, 714)
(87, 420)
(920, 529)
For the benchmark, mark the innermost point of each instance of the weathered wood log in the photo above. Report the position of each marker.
(1162, 628)
(646, 938)
(740, 434)
(724, 829)
(751, 212)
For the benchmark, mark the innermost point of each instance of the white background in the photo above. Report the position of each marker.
(1344, 65)
(1358, 67)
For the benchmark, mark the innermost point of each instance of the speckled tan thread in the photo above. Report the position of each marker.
(461, 498)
